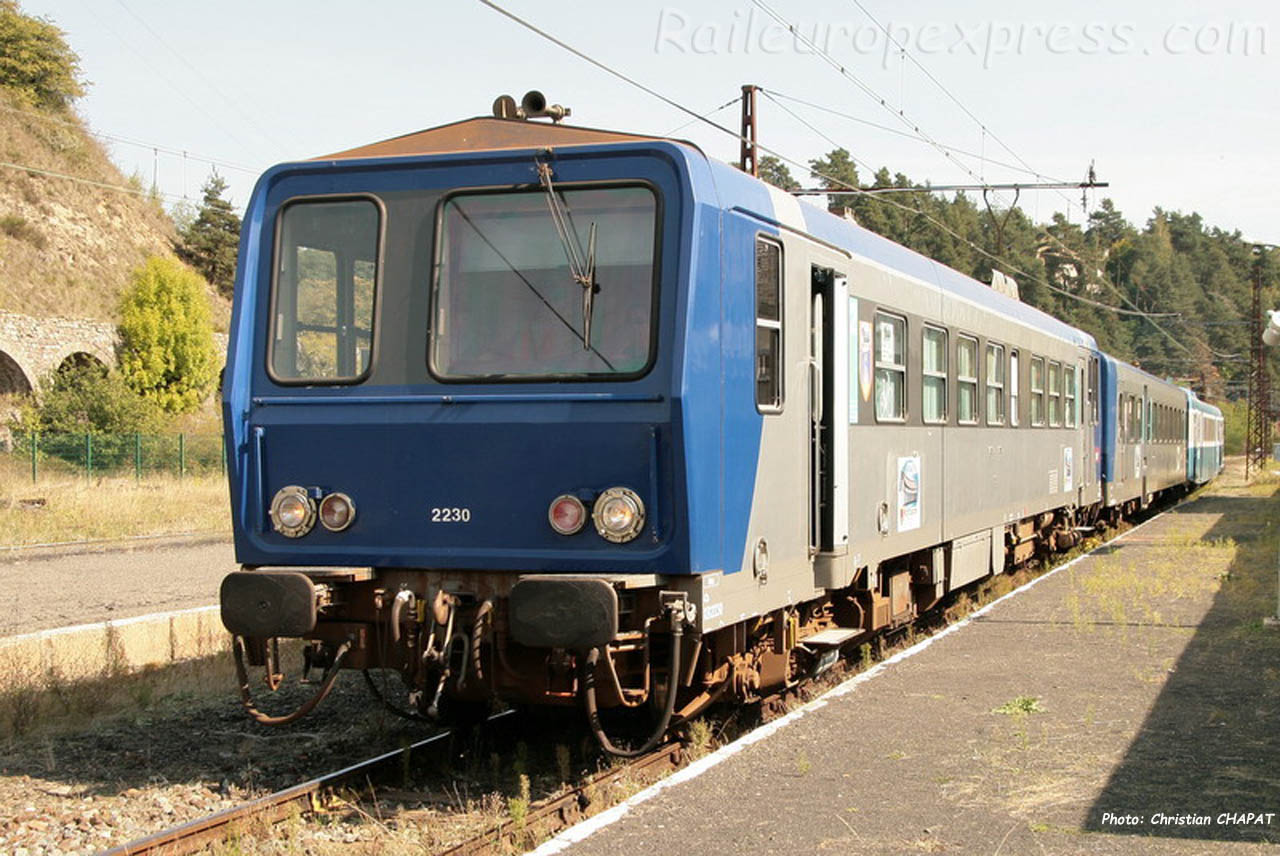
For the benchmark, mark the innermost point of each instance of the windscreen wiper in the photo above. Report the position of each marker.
(581, 267)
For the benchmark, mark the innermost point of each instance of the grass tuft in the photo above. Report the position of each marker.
(1020, 706)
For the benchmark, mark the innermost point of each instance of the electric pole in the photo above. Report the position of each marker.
(747, 161)
(1257, 435)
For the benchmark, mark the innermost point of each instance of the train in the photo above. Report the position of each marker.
(569, 417)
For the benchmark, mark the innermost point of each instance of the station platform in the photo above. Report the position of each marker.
(1126, 703)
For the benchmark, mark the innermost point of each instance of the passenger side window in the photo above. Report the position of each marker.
(966, 380)
(1055, 394)
(995, 384)
(1069, 394)
(1037, 391)
(934, 390)
(891, 368)
(768, 326)
(1013, 388)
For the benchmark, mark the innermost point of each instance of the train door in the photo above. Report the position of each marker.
(828, 416)
(1144, 435)
(1084, 424)
(1194, 440)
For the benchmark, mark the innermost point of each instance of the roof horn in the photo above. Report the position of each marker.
(532, 106)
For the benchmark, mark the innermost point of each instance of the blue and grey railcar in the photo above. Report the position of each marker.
(568, 416)
(1204, 440)
(1145, 425)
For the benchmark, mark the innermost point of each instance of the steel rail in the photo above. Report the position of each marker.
(560, 812)
(193, 835)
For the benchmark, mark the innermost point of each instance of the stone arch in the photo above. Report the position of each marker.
(82, 359)
(13, 379)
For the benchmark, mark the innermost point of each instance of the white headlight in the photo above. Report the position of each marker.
(618, 515)
(293, 512)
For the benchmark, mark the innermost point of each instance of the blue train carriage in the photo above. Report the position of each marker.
(564, 416)
(1145, 437)
(1204, 440)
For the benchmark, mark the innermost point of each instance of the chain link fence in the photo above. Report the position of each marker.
(48, 457)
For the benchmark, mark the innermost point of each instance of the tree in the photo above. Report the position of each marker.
(836, 171)
(166, 338)
(210, 241)
(777, 173)
(35, 60)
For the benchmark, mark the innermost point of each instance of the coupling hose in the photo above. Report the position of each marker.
(593, 712)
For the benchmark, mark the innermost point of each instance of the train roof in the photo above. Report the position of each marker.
(485, 133)
(1141, 372)
(1195, 403)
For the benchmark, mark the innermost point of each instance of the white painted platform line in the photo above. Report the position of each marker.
(100, 625)
(592, 825)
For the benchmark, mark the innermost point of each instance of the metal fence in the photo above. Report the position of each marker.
(89, 456)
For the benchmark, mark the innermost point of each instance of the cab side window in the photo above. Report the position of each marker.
(768, 326)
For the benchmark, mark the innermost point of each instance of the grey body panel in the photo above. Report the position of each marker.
(973, 479)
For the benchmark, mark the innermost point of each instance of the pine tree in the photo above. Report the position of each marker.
(777, 173)
(836, 171)
(210, 242)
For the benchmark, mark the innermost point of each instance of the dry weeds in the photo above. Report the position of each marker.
(110, 508)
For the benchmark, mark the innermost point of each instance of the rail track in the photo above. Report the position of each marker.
(546, 817)
(542, 820)
(309, 796)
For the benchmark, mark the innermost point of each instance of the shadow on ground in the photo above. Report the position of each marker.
(1208, 754)
(184, 723)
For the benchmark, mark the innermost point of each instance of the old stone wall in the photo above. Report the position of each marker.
(31, 348)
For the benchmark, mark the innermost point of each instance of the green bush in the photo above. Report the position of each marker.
(166, 338)
(36, 62)
(87, 398)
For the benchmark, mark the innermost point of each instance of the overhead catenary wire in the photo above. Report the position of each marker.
(895, 131)
(986, 130)
(706, 115)
(199, 108)
(231, 102)
(948, 230)
(865, 88)
(836, 182)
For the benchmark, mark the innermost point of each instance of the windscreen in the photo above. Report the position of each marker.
(508, 304)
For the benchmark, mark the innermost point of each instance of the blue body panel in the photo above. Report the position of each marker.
(1107, 385)
(501, 450)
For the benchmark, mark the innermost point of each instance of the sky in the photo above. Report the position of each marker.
(1172, 102)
